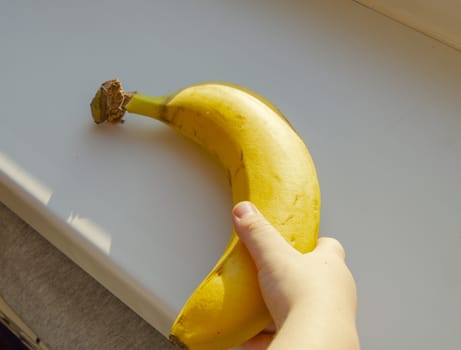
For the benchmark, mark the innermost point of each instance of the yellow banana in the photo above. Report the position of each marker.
(266, 162)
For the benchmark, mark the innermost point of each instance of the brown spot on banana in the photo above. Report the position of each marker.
(284, 222)
(296, 199)
(229, 177)
(219, 270)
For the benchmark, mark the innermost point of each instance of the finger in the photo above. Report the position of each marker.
(258, 235)
(259, 342)
(331, 246)
(269, 329)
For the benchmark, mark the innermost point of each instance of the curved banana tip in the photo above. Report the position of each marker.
(178, 344)
(109, 102)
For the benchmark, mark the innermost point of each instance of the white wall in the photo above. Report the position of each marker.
(440, 19)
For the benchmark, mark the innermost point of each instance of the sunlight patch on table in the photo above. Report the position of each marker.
(92, 232)
(24, 179)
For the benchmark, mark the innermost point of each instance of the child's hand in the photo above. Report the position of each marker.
(311, 297)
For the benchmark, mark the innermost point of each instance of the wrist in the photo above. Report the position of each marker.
(321, 327)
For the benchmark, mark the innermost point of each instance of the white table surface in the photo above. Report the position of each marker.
(148, 213)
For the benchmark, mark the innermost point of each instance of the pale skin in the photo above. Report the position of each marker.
(311, 297)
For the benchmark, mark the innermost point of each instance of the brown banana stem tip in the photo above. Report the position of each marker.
(177, 343)
(109, 102)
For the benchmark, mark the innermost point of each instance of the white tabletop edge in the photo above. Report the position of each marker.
(86, 255)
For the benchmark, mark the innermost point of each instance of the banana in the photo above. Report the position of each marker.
(266, 162)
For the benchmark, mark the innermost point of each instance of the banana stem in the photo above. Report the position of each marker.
(150, 106)
(109, 102)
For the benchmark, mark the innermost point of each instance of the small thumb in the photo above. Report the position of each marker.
(260, 238)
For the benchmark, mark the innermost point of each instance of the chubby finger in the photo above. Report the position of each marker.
(269, 329)
(259, 236)
(331, 246)
(259, 342)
